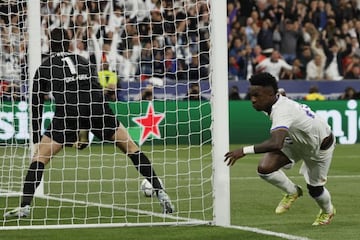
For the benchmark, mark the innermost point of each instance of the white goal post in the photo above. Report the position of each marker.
(99, 186)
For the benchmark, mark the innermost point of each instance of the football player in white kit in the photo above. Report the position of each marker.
(297, 133)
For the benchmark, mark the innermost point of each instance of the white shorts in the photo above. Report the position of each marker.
(315, 166)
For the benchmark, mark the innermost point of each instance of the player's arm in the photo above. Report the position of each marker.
(274, 143)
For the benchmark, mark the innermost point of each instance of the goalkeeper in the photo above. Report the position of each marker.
(80, 107)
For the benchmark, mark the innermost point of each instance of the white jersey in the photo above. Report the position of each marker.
(306, 131)
(274, 68)
(305, 128)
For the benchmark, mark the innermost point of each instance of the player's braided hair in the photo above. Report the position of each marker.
(59, 40)
(264, 79)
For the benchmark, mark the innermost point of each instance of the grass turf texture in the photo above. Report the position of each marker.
(252, 200)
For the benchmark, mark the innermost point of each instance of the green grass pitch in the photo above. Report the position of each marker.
(252, 200)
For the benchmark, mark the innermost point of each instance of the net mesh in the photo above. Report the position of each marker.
(152, 58)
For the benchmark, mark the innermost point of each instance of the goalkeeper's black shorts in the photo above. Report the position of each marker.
(96, 117)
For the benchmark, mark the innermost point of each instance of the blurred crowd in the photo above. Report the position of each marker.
(161, 40)
(169, 40)
(299, 40)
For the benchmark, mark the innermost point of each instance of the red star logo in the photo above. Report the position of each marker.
(149, 123)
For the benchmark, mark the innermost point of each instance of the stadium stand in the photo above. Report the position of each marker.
(299, 30)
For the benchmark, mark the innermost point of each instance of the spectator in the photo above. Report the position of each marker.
(290, 34)
(4, 86)
(124, 29)
(234, 93)
(148, 93)
(251, 31)
(9, 91)
(117, 19)
(135, 9)
(314, 94)
(305, 57)
(357, 26)
(158, 68)
(296, 74)
(349, 93)
(350, 62)
(265, 35)
(234, 16)
(245, 61)
(257, 55)
(276, 38)
(145, 63)
(334, 57)
(108, 51)
(194, 93)
(234, 69)
(273, 65)
(170, 64)
(320, 16)
(181, 73)
(315, 69)
(127, 66)
(275, 11)
(10, 63)
(354, 72)
(237, 45)
(317, 49)
(345, 11)
(80, 48)
(196, 71)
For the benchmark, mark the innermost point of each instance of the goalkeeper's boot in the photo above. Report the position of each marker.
(19, 212)
(288, 200)
(165, 202)
(324, 218)
(83, 140)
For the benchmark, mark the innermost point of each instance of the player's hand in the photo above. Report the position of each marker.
(232, 156)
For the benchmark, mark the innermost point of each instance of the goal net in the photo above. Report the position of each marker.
(159, 83)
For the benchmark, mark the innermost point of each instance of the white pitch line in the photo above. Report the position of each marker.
(300, 176)
(269, 233)
(160, 215)
(187, 221)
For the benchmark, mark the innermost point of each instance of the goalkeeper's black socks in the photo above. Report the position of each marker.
(143, 165)
(32, 181)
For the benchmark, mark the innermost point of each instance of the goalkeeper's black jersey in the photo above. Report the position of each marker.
(72, 82)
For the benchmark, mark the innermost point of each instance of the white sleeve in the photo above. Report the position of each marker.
(310, 73)
(262, 65)
(281, 118)
(285, 65)
(97, 51)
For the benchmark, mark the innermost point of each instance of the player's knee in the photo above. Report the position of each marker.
(315, 191)
(264, 169)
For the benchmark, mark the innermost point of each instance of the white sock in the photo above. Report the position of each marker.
(324, 201)
(280, 180)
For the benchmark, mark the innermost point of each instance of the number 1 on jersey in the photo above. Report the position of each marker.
(70, 64)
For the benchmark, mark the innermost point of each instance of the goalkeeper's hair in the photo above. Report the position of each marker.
(264, 79)
(59, 40)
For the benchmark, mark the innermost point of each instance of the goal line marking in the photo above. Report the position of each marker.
(184, 221)
(267, 232)
(109, 206)
(300, 176)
